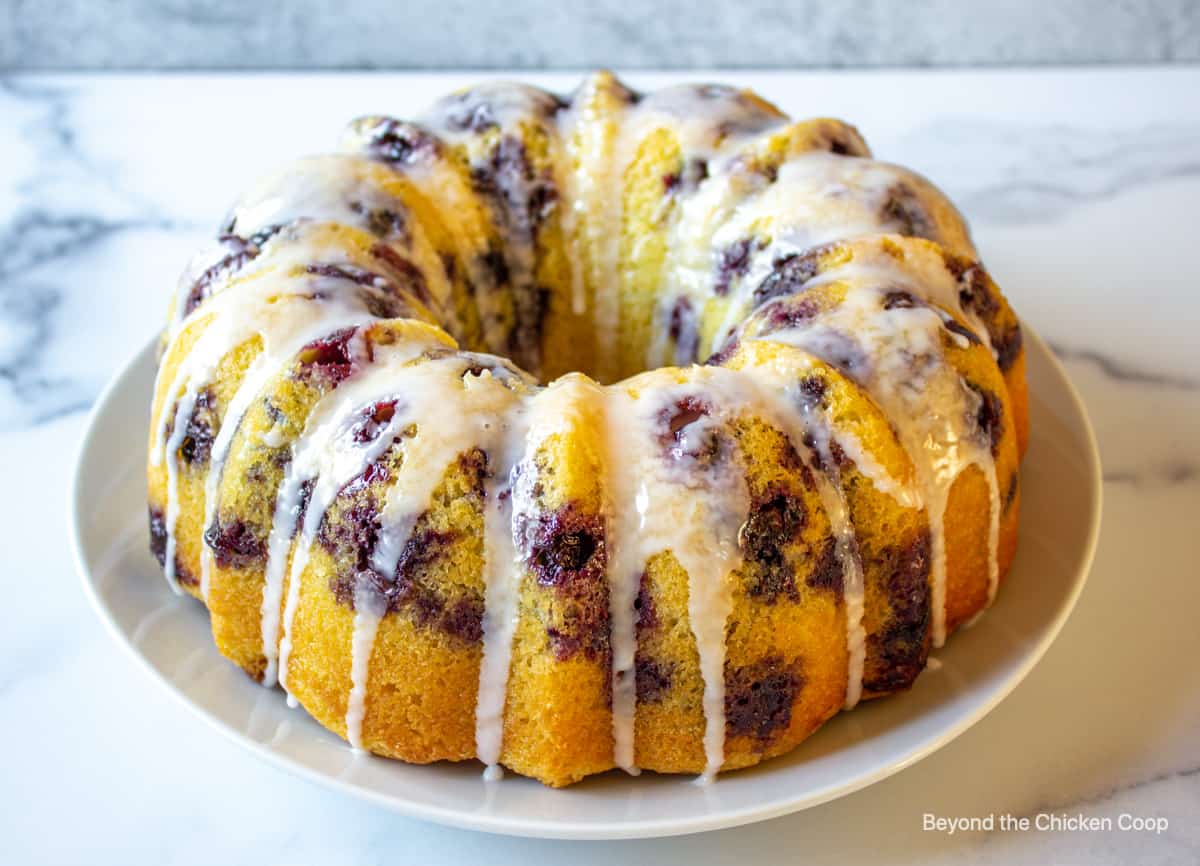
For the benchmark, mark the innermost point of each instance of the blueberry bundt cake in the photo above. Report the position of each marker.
(775, 463)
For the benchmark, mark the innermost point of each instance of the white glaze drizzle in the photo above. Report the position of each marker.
(624, 569)
(504, 106)
(501, 579)
(589, 131)
(923, 273)
(870, 468)
(696, 515)
(440, 178)
(819, 198)
(460, 119)
(551, 411)
(815, 198)
(270, 304)
(325, 459)
(576, 186)
(703, 119)
(771, 394)
(833, 500)
(902, 366)
(453, 414)
(311, 321)
(285, 325)
(274, 308)
(352, 190)
(185, 407)
(806, 423)
(369, 608)
(328, 457)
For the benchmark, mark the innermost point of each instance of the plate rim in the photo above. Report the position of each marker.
(642, 828)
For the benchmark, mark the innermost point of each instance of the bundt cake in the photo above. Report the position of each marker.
(775, 463)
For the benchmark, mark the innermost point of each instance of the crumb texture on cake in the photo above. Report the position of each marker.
(569, 433)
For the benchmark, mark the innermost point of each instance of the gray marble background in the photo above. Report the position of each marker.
(533, 34)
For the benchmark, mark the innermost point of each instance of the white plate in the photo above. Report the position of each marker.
(169, 635)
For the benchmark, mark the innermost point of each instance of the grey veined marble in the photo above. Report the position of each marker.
(532, 34)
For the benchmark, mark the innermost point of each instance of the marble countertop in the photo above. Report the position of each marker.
(1083, 189)
(546, 34)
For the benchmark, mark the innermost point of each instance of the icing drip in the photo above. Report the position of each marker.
(625, 565)
(695, 512)
(573, 186)
(257, 376)
(589, 133)
(492, 124)
(276, 310)
(569, 219)
(438, 399)
(186, 406)
(503, 568)
(846, 544)
(283, 527)
(369, 608)
(817, 198)
(529, 424)
(351, 190)
(501, 575)
(872, 469)
(324, 459)
(773, 396)
(440, 177)
(853, 590)
(453, 414)
(896, 355)
(814, 198)
(995, 507)
(279, 352)
(703, 119)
